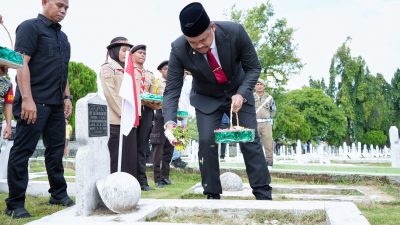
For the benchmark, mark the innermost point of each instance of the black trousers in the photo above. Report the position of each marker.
(162, 158)
(223, 145)
(50, 124)
(143, 137)
(129, 163)
(256, 166)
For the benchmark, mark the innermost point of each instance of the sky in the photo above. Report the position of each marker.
(320, 28)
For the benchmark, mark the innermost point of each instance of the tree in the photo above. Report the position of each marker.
(346, 75)
(82, 80)
(396, 97)
(374, 137)
(291, 124)
(273, 41)
(318, 84)
(325, 120)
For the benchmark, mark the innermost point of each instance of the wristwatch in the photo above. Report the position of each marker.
(68, 97)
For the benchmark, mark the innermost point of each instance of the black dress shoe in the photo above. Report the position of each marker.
(66, 201)
(146, 188)
(18, 213)
(213, 196)
(166, 181)
(160, 184)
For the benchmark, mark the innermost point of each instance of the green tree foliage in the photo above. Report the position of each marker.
(290, 124)
(366, 99)
(82, 80)
(346, 74)
(374, 137)
(273, 41)
(318, 84)
(323, 118)
(396, 96)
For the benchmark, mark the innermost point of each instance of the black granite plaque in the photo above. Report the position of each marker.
(97, 120)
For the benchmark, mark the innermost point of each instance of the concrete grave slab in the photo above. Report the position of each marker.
(312, 192)
(338, 213)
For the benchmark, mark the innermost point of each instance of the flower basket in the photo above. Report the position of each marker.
(10, 58)
(182, 114)
(153, 98)
(234, 134)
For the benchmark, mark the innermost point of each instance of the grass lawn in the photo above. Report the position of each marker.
(37, 206)
(377, 213)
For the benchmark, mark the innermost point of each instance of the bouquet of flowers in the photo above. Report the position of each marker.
(234, 133)
(182, 137)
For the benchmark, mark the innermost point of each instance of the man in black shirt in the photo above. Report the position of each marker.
(42, 102)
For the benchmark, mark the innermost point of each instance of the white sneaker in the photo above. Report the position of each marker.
(269, 168)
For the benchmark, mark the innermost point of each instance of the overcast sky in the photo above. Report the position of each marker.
(320, 28)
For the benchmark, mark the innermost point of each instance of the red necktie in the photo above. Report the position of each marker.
(216, 68)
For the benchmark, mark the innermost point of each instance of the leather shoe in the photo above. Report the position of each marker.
(213, 196)
(66, 201)
(166, 181)
(160, 184)
(17, 213)
(146, 188)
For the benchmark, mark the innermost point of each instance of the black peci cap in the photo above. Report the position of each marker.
(194, 19)
(137, 47)
(162, 64)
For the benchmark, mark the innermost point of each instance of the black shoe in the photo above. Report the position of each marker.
(66, 201)
(160, 184)
(18, 213)
(213, 196)
(146, 188)
(166, 181)
(270, 163)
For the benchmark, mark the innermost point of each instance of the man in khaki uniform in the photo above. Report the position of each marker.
(144, 84)
(265, 109)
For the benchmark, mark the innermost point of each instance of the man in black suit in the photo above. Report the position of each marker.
(225, 69)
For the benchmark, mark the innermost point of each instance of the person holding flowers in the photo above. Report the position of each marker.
(225, 69)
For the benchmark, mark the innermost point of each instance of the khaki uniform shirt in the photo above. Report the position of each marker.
(148, 83)
(268, 110)
(111, 75)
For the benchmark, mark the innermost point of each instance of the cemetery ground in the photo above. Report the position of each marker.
(376, 212)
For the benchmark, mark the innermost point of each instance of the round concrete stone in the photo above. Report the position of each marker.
(231, 182)
(119, 191)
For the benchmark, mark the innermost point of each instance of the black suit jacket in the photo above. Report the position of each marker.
(238, 59)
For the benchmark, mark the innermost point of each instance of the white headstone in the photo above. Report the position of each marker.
(231, 182)
(93, 157)
(394, 146)
(5, 146)
(353, 148)
(119, 191)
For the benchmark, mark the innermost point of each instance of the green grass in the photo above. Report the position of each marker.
(333, 168)
(37, 206)
(382, 213)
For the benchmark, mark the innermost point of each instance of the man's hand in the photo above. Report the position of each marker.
(7, 132)
(28, 111)
(67, 108)
(168, 134)
(3, 70)
(237, 103)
